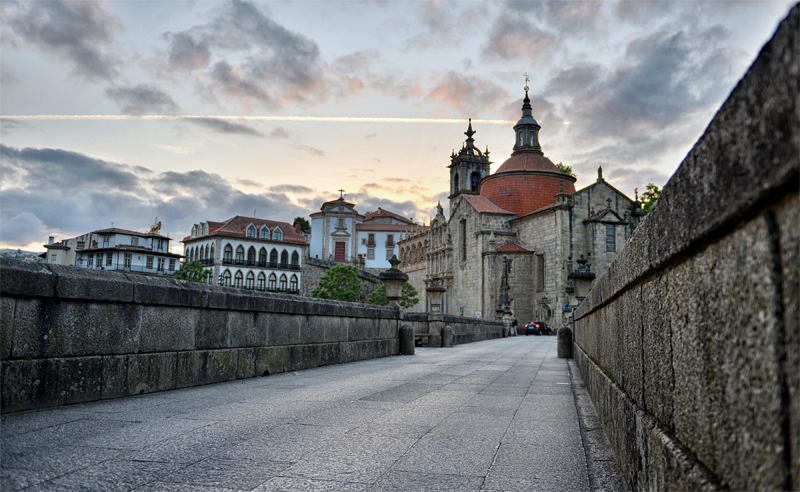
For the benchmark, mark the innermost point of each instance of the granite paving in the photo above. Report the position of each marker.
(499, 415)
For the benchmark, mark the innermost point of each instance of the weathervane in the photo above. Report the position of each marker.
(526, 81)
(341, 193)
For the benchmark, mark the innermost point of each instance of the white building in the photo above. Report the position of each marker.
(341, 234)
(249, 253)
(116, 249)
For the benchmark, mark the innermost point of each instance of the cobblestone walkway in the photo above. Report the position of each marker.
(499, 415)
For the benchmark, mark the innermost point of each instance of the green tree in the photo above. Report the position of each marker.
(649, 197)
(304, 225)
(407, 300)
(193, 272)
(566, 169)
(340, 283)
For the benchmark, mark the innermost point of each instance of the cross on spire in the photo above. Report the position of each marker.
(526, 81)
(341, 193)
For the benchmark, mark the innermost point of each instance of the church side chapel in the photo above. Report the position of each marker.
(527, 212)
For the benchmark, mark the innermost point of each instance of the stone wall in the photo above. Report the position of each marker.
(70, 335)
(690, 343)
(314, 268)
(465, 329)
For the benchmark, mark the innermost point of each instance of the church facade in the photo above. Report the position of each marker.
(527, 213)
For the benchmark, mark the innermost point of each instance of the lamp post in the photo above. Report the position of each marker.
(221, 280)
(394, 280)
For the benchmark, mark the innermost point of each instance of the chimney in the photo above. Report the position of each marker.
(50, 240)
(298, 228)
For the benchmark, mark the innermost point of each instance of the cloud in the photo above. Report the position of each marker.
(142, 99)
(289, 188)
(466, 94)
(310, 150)
(280, 132)
(444, 24)
(81, 33)
(250, 182)
(187, 53)
(514, 37)
(375, 159)
(371, 136)
(47, 191)
(396, 180)
(223, 126)
(8, 124)
(7, 76)
(567, 17)
(174, 149)
(574, 79)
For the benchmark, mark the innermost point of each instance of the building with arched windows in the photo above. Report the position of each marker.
(527, 213)
(250, 253)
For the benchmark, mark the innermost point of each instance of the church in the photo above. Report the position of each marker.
(527, 214)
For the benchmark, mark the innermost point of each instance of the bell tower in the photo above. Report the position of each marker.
(468, 167)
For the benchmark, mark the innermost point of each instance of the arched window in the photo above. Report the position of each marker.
(250, 280)
(521, 137)
(455, 183)
(284, 259)
(237, 280)
(295, 260)
(205, 229)
(262, 257)
(227, 257)
(208, 251)
(282, 286)
(194, 231)
(251, 256)
(262, 281)
(264, 233)
(240, 255)
(273, 283)
(474, 180)
(202, 252)
(211, 255)
(293, 284)
(251, 231)
(273, 259)
(226, 278)
(277, 234)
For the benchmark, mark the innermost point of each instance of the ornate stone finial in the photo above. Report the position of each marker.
(491, 237)
(470, 132)
(608, 201)
(636, 191)
(582, 263)
(600, 173)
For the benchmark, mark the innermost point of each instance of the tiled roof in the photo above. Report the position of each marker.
(482, 204)
(236, 226)
(528, 162)
(512, 248)
(385, 213)
(336, 201)
(116, 230)
(414, 229)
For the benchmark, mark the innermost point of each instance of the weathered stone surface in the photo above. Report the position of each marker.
(271, 360)
(166, 329)
(7, 307)
(657, 368)
(26, 278)
(564, 343)
(206, 366)
(45, 383)
(96, 285)
(406, 340)
(212, 328)
(54, 328)
(248, 329)
(167, 291)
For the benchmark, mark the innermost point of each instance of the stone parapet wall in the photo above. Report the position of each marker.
(690, 343)
(70, 335)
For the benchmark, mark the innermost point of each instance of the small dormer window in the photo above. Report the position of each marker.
(251, 231)
(264, 233)
(194, 231)
(277, 234)
(134, 241)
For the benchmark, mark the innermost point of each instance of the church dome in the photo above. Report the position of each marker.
(527, 181)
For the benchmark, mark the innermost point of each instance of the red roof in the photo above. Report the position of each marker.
(116, 230)
(236, 226)
(385, 213)
(512, 248)
(413, 229)
(528, 162)
(482, 204)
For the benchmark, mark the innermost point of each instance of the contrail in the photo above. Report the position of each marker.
(345, 119)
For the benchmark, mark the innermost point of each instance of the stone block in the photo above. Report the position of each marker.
(657, 367)
(329, 354)
(212, 328)
(362, 329)
(7, 307)
(630, 320)
(271, 360)
(727, 400)
(166, 329)
(161, 372)
(56, 328)
(284, 329)
(248, 329)
(335, 330)
(246, 363)
(114, 376)
(312, 328)
(206, 366)
(26, 278)
(43, 383)
(92, 285)
(169, 292)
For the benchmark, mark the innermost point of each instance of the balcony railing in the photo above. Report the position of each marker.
(207, 261)
(284, 265)
(273, 264)
(294, 266)
(251, 262)
(227, 261)
(389, 244)
(239, 262)
(262, 263)
(371, 244)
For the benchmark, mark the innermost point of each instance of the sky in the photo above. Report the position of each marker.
(121, 111)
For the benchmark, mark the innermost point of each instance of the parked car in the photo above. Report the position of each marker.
(537, 328)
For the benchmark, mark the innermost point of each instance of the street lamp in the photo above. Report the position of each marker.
(221, 280)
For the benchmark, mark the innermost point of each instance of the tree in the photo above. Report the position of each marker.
(649, 197)
(340, 283)
(193, 272)
(566, 169)
(407, 300)
(304, 225)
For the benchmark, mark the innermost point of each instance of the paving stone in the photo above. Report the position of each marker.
(112, 475)
(287, 484)
(424, 482)
(233, 474)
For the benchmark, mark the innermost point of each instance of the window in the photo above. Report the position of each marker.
(474, 179)
(273, 283)
(53, 258)
(462, 238)
(264, 233)
(273, 259)
(390, 240)
(262, 282)
(80, 245)
(149, 262)
(240, 255)
(250, 280)
(127, 261)
(611, 240)
(371, 241)
(389, 254)
(208, 252)
(226, 278)
(277, 234)
(521, 138)
(293, 284)
(363, 240)
(194, 231)
(172, 264)
(205, 230)
(251, 256)
(202, 252)
(134, 241)
(212, 251)
(99, 260)
(109, 258)
(90, 260)
(455, 183)
(237, 280)
(251, 231)
(370, 254)
(105, 241)
(161, 264)
(539, 273)
(262, 257)
(227, 257)
(295, 259)
(284, 259)
(282, 286)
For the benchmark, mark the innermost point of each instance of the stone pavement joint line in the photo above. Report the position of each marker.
(500, 415)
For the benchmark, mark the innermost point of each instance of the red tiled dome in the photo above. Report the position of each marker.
(526, 182)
